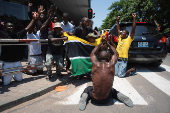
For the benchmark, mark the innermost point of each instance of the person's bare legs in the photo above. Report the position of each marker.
(130, 70)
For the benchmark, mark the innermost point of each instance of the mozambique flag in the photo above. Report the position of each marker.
(78, 51)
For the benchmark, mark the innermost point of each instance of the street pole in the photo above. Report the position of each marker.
(89, 22)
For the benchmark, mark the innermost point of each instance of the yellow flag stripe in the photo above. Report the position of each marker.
(97, 42)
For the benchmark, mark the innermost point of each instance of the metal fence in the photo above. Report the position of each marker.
(25, 67)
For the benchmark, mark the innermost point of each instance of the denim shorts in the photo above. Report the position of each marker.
(120, 68)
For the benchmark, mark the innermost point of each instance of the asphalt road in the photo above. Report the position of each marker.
(149, 90)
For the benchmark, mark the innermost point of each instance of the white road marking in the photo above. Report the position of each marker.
(160, 82)
(74, 99)
(165, 67)
(122, 85)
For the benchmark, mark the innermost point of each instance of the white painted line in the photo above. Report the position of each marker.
(74, 99)
(122, 85)
(165, 67)
(160, 82)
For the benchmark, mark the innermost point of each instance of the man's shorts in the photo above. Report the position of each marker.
(120, 68)
(57, 58)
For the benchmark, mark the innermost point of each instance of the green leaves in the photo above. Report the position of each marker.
(158, 10)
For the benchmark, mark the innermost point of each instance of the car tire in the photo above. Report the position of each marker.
(156, 64)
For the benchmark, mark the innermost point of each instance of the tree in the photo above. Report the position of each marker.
(151, 10)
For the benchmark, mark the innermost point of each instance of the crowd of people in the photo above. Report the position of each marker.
(19, 23)
(112, 60)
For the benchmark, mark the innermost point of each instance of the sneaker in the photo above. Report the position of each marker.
(83, 101)
(126, 100)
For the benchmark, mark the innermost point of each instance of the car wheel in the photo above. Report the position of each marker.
(156, 64)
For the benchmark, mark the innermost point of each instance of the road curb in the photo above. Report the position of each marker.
(32, 95)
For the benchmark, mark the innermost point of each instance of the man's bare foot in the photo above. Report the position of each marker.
(133, 71)
(130, 72)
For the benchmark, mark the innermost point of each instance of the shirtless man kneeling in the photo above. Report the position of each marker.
(102, 77)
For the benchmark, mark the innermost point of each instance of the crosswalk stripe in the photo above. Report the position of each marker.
(74, 99)
(166, 67)
(160, 82)
(122, 85)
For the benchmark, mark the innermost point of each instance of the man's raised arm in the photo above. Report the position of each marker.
(118, 26)
(46, 23)
(33, 22)
(93, 53)
(115, 55)
(29, 10)
(96, 49)
(133, 26)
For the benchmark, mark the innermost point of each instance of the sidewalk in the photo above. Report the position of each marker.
(30, 88)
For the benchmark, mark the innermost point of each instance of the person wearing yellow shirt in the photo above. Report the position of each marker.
(124, 42)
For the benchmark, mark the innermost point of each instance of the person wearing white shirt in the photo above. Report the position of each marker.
(67, 27)
(35, 52)
(35, 47)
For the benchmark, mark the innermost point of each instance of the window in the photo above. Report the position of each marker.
(140, 29)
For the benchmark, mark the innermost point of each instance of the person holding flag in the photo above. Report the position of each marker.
(83, 45)
(54, 52)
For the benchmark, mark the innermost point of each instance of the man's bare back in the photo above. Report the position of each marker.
(103, 73)
(102, 77)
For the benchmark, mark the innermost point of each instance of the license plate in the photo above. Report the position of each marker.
(142, 44)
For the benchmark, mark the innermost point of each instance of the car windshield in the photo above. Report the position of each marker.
(142, 29)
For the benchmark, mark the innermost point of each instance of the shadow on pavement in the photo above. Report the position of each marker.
(78, 83)
(16, 83)
(29, 78)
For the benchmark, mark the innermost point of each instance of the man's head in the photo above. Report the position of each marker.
(85, 22)
(104, 56)
(57, 28)
(10, 28)
(124, 34)
(55, 19)
(42, 17)
(35, 30)
(91, 37)
(65, 17)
